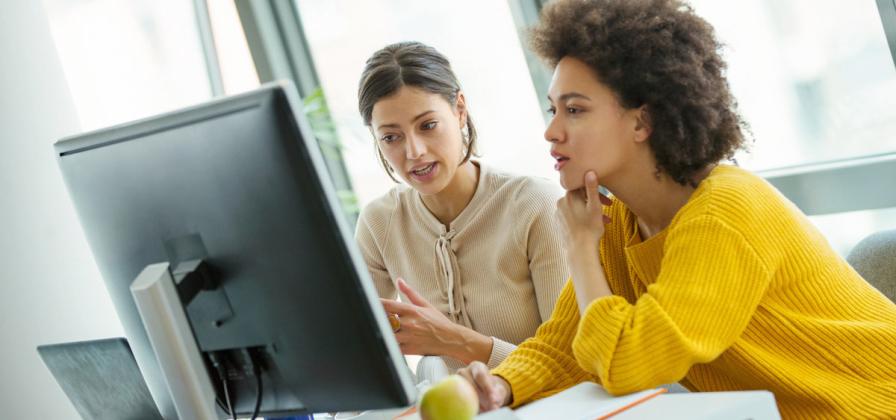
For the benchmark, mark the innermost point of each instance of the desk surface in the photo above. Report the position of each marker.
(755, 405)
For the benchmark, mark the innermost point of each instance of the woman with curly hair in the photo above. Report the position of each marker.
(695, 271)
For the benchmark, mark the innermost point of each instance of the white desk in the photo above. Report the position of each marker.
(369, 415)
(754, 405)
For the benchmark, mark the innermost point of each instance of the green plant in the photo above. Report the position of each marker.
(317, 112)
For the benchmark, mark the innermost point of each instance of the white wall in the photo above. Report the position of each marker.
(50, 289)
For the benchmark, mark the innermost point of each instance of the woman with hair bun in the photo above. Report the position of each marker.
(474, 251)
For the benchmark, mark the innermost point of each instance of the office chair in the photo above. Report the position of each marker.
(875, 259)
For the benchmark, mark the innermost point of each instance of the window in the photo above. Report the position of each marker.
(816, 82)
(844, 230)
(237, 70)
(814, 79)
(127, 60)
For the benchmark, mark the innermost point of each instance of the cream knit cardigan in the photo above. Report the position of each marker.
(497, 269)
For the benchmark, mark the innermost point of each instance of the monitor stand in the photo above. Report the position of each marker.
(162, 311)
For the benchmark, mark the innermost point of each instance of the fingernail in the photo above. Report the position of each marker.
(590, 176)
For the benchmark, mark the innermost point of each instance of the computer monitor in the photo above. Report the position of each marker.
(239, 184)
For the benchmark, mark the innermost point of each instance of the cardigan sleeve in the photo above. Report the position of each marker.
(500, 350)
(709, 286)
(547, 259)
(543, 365)
(367, 237)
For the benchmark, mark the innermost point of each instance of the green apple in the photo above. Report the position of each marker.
(453, 398)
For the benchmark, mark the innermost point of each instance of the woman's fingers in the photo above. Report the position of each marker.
(465, 373)
(396, 307)
(488, 401)
(412, 294)
(489, 394)
(468, 375)
(483, 391)
(591, 186)
(394, 322)
(592, 189)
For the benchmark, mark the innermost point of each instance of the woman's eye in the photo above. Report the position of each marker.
(572, 110)
(552, 111)
(430, 125)
(389, 138)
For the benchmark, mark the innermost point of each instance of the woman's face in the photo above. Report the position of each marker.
(419, 134)
(589, 130)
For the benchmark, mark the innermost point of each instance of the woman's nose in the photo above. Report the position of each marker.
(553, 132)
(414, 147)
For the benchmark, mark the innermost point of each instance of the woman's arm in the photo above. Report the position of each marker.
(587, 272)
(543, 364)
(582, 219)
(709, 286)
(367, 241)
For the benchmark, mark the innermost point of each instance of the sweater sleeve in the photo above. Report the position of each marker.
(543, 365)
(709, 286)
(547, 259)
(366, 236)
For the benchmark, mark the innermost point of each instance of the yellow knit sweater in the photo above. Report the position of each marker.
(739, 292)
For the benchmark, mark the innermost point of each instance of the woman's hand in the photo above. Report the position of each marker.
(493, 391)
(581, 214)
(424, 330)
(582, 217)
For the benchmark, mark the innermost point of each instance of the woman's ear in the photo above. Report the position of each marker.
(643, 125)
(461, 107)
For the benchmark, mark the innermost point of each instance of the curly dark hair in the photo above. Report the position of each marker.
(657, 53)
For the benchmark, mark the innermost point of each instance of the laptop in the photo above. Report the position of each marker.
(101, 378)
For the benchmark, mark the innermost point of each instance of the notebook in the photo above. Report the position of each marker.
(585, 401)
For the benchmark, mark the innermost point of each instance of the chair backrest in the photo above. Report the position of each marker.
(875, 259)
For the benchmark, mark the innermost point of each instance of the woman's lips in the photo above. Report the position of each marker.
(425, 173)
(561, 161)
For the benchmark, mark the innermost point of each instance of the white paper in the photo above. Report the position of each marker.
(740, 405)
(499, 414)
(585, 401)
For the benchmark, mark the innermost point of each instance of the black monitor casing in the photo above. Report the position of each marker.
(239, 183)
